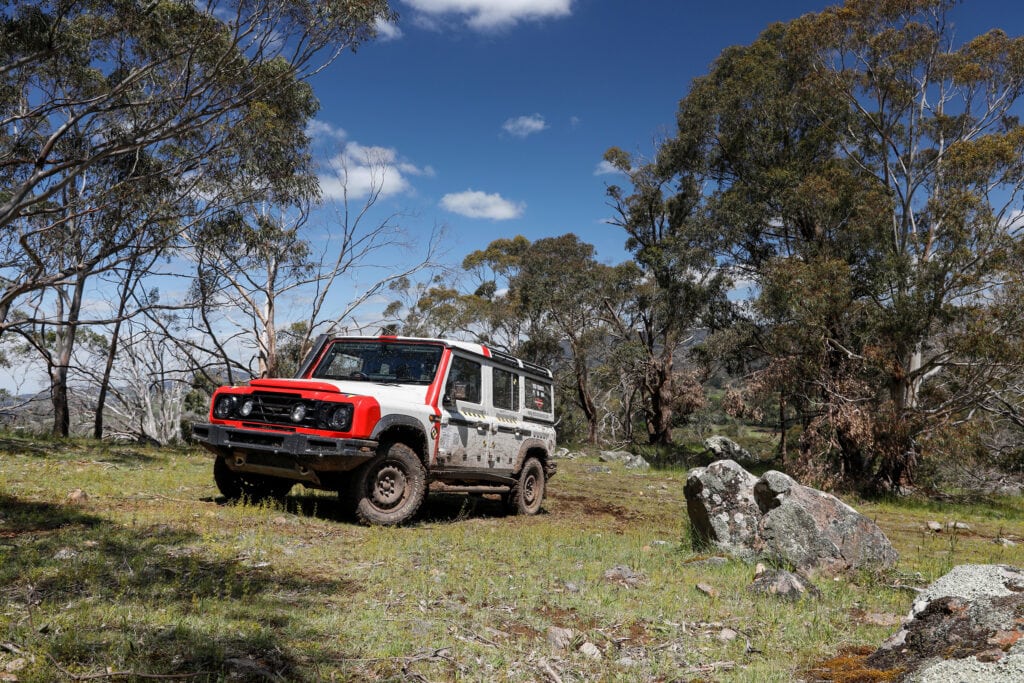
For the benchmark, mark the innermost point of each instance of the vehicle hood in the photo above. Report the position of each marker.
(414, 394)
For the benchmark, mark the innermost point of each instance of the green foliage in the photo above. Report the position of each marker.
(862, 170)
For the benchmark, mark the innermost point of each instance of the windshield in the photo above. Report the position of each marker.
(375, 361)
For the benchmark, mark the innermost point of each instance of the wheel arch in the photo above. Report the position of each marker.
(532, 448)
(407, 430)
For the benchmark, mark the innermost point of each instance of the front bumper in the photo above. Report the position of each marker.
(290, 455)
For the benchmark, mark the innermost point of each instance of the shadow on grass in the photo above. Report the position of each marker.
(437, 508)
(81, 594)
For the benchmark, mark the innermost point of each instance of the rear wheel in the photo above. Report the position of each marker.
(528, 493)
(389, 489)
(254, 487)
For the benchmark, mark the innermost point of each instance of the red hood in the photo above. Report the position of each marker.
(294, 385)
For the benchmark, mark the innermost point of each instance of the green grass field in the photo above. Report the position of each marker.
(153, 577)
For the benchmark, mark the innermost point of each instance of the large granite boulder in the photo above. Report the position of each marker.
(967, 626)
(630, 460)
(777, 518)
(811, 529)
(721, 506)
(724, 448)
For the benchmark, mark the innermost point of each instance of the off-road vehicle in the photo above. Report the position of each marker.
(382, 419)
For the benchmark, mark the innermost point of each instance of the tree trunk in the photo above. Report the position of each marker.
(586, 401)
(659, 430)
(65, 342)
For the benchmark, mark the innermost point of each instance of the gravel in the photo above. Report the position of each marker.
(1009, 669)
(971, 582)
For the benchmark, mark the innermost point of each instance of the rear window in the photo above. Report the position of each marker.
(538, 395)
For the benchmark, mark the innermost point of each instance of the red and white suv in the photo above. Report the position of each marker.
(379, 418)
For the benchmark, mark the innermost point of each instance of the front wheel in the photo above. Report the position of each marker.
(389, 489)
(528, 493)
(254, 487)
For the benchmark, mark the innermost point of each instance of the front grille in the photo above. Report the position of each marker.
(274, 408)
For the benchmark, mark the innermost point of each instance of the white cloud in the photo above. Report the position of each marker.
(359, 170)
(606, 168)
(521, 126)
(488, 15)
(1014, 221)
(387, 31)
(475, 204)
(321, 129)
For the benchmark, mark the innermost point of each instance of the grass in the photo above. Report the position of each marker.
(154, 575)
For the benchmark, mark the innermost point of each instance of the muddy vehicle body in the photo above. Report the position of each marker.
(382, 419)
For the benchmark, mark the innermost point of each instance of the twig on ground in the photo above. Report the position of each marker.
(551, 673)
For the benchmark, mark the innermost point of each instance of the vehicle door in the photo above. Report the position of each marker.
(465, 439)
(506, 388)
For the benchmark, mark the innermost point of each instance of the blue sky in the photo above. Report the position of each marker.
(494, 114)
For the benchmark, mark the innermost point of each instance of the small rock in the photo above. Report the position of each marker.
(64, 554)
(77, 496)
(727, 635)
(572, 587)
(707, 590)
(597, 469)
(280, 520)
(959, 526)
(591, 650)
(626, 662)
(1005, 542)
(16, 665)
(623, 575)
(934, 526)
(783, 584)
(560, 638)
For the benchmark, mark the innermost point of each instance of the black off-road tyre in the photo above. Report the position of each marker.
(526, 496)
(389, 489)
(250, 487)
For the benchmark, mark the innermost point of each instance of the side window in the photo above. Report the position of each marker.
(506, 389)
(538, 395)
(464, 380)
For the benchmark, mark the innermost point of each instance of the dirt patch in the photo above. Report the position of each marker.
(593, 506)
(564, 618)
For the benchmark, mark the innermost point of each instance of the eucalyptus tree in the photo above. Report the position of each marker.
(865, 174)
(679, 285)
(100, 101)
(561, 285)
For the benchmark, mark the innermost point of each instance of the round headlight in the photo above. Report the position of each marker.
(222, 408)
(246, 409)
(340, 418)
(299, 412)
